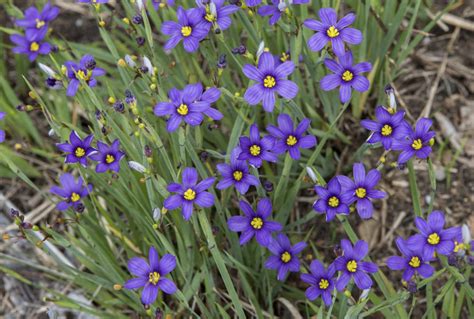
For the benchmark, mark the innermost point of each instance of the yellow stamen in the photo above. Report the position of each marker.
(83, 75)
(285, 257)
(434, 239)
(347, 76)
(284, 57)
(238, 175)
(39, 23)
(323, 284)
(291, 140)
(257, 223)
(415, 262)
(361, 192)
(109, 159)
(333, 201)
(189, 194)
(269, 81)
(75, 197)
(153, 278)
(255, 150)
(186, 31)
(417, 144)
(332, 32)
(34, 46)
(182, 109)
(386, 130)
(79, 152)
(352, 266)
(210, 17)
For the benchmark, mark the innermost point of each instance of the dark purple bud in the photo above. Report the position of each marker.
(148, 151)
(14, 213)
(217, 31)
(267, 185)
(338, 250)
(98, 115)
(90, 65)
(119, 107)
(411, 287)
(242, 49)
(143, 69)
(26, 225)
(388, 89)
(158, 314)
(222, 62)
(21, 108)
(204, 156)
(140, 41)
(137, 19)
(215, 230)
(53, 83)
(453, 260)
(54, 48)
(79, 208)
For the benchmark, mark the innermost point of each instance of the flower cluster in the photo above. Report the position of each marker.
(35, 25)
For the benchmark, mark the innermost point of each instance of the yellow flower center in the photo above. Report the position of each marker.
(39, 23)
(256, 223)
(285, 257)
(182, 109)
(269, 81)
(210, 17)
(333, 201)
(433, 239)
(361, 192)
(347, 76)
(458, 246)
(414, 262)
(417, 144)
(291, 140)
(34, 46)
(109, 159)
(79, 152)
(186, 31)
(332, 32)
(84, 76)
(153, 278)
(387, 130)
(189, 194)
(238, 175)
(255, 150)
(352, 266)
(284, 57)
(323, 284)
(75, 197)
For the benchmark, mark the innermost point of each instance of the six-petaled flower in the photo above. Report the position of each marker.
(321, 282)
(72, 192)
(332, 200)
(257, 150)
(236, 173)
(108, 156)
(415, 143)
(85, 71)
(79, 150)
(285, 256)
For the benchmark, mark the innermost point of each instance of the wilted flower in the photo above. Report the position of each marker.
(387, 127)
(215, 13)
(30, 45)
(321, 281)
(284, 257)
(276, 8)
(189, 192)
(362, 189)
(333, 200)
(413, 261)
(415, 143)
(189, 28)
(71, 191)
(351, 265)
(151, 275)
(35, 23)
(257, 150)
(346, 76)
(85, 70)
(236, 173)
(109, 157)
(289, 138)
(331, 30)
(270, 80)
(255, 223)
(432, 237)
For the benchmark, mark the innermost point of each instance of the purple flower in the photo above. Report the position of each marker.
(416, 143)
(95, 2)
(162, 3)
(413, 261)
(78, 149)
(252, 3)
(72, 192)
(151, 275)
(30, 45)
(432, 237)
(284, 257)
(362, 189)
(346, 76)
(255, 223)
(291, 139)
(351, 265)
(270, 79)
(321, 281)
(35, 23)
(331, 30)
(2, 132)
(236, 173)
(109, 157)
(189, 193)
(189, 28)
(86, 71)
(189, 105)
(387, 128)
(214, 13)
(332, 200)
(257, 150)
(275, 9)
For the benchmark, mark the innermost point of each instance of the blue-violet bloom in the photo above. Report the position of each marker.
(35, 23)
(284, 257)
(236, 173)
(86, 70)
(416, 143)
(108, 157)
(321, 281)
(257, 150)
(78, 149)
(71, 191)
(332, 200)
